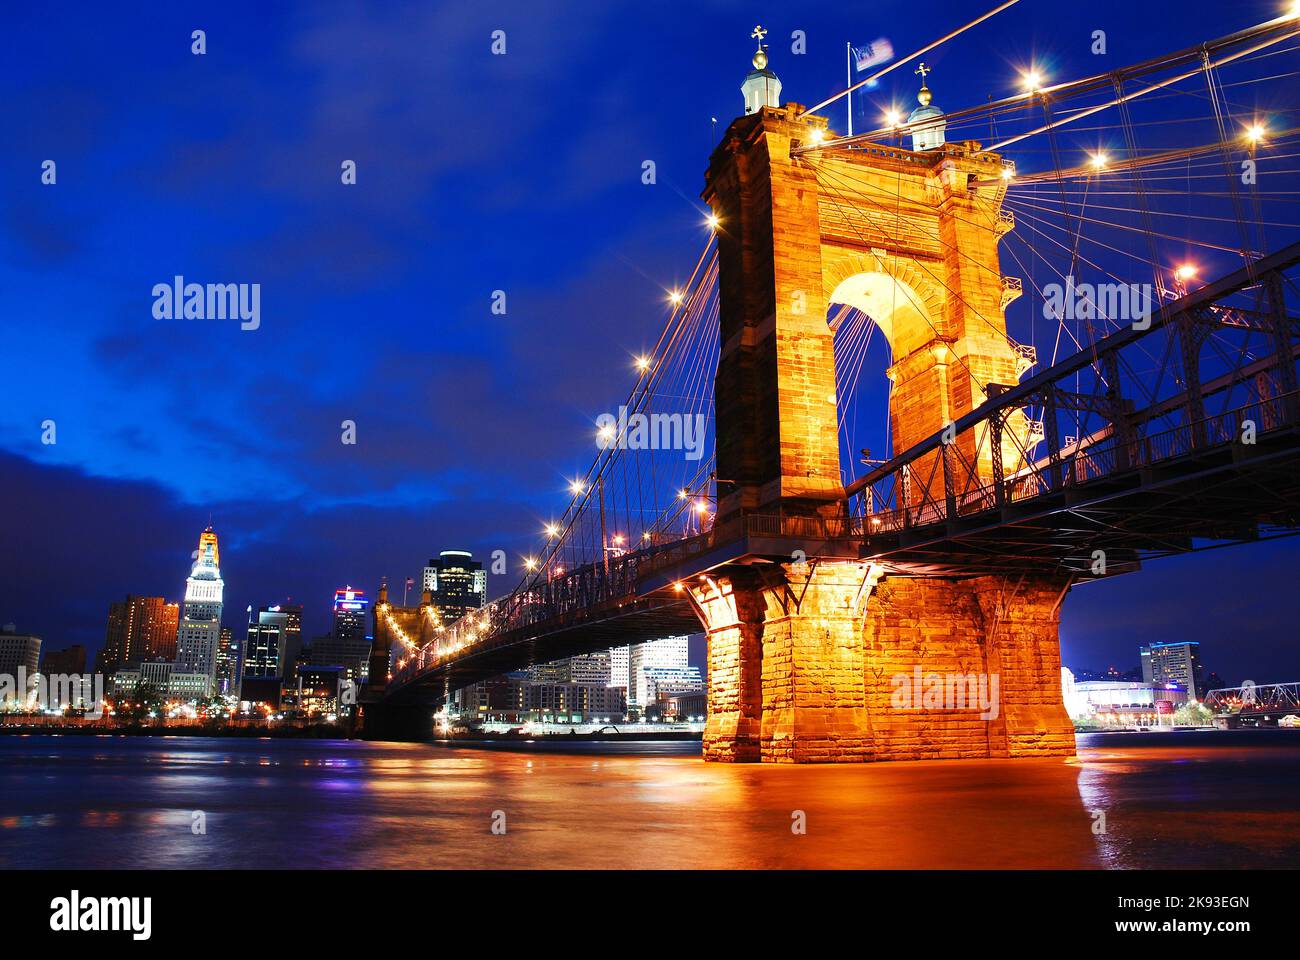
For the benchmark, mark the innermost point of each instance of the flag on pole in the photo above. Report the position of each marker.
(873, 53)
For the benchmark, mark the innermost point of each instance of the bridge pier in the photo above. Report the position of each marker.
(827, 662)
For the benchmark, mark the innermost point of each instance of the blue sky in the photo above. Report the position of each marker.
(475, 173)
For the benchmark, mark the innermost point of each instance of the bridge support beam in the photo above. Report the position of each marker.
(827, 662)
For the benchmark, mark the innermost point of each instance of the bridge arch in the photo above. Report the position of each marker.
(904, 303)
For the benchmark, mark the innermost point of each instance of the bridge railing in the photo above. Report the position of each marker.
(1094, 416)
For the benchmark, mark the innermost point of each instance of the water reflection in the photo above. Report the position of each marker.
(1216, 800)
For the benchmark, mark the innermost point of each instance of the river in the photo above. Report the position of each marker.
(1186, 799)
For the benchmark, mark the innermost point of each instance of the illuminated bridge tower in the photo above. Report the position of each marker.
(803, 656)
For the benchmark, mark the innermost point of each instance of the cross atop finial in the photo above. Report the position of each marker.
(758, 34)
(923, 70)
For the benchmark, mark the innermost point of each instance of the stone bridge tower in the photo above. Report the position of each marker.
(805, 658)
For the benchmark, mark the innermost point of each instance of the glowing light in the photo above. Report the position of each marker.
(576, 487)
(1256, 131)
(1031, 80)
(678, 587)
(530, 563)
(701, 508)
(552, 530)
(675, 296)
(1185, 272)
(645, 534)
(713, 221)
(817, 135)
(682, 494)
(618, 538)
(643, 364)
(605, 433)
(893, 118)
(1099, 160)
(1007, 173)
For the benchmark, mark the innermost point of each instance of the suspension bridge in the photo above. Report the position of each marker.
(1089, 360)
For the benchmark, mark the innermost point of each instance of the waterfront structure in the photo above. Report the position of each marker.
(955, 553)
(66, 662)
(1124, 702)
(1177, 663)
(18, 651)
(199, 634)
(139, 628)
(457, 584)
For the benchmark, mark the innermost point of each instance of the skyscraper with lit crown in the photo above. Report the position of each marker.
(199, 634)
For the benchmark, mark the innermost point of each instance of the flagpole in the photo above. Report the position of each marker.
(848, 78)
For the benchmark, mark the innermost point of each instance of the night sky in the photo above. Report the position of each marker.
(476, 173)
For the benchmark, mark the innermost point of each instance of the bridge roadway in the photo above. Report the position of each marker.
(1124, 489)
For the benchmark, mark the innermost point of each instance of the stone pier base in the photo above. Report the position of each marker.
(827, 662)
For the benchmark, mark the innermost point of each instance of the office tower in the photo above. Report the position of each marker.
(347, 645)
(199, 634)
(18, 650)
(229, 666)
(669, 653)
(139, 628)
(456, 583)
(618, 666)
(65, 662)
(265, 641)
(584, 668)
(1176, 663)
(291, 649)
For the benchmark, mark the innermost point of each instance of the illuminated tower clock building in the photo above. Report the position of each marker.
(199, 635)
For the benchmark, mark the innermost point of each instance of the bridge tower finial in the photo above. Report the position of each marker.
(761, 88)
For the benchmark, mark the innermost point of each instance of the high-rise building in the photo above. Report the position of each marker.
(139, 628)
(668, 653)
(457, 584)
(200, 627)
(229, 666)
(65, 662)
(18, 650)
(583, 668)
(292, 648)
(1176, 663)
(347, 645)
(618, 666)
(265, 642)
